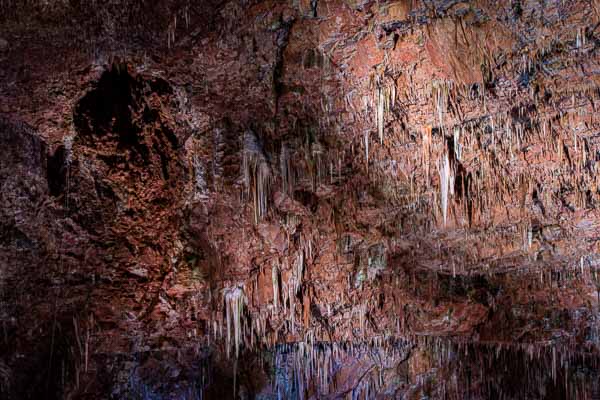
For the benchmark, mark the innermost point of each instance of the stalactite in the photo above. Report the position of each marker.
(380, 113)
(426, 151)
(299, 272)
(385, 99)
(366, 138)
(317, 153)
(285, 165)
(444, 173)
(275, 279)
(457, 145)
(527, 237)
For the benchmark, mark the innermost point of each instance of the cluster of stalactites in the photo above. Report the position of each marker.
(291, 289)
(250, 328)
(307, 164)
(441, 92)
(257, 174)
(235, 302)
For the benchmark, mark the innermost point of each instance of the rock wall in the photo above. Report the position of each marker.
(299, 198)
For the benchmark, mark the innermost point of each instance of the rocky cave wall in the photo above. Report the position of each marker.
(384, 199)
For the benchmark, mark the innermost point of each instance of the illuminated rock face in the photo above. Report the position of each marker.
(304, 199)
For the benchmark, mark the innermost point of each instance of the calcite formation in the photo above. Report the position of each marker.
(322, 199)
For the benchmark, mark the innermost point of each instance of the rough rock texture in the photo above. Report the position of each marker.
(299, 199)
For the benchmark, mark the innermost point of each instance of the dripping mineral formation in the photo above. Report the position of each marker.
(300, 199)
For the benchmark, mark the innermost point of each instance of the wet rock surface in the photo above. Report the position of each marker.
(303, 199)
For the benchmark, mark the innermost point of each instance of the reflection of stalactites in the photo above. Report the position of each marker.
(257, 174)
(315, 366)
(444, 171)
